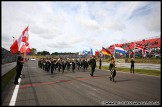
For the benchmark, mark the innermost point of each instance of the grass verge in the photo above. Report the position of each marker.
(5, 79)
(138, 71)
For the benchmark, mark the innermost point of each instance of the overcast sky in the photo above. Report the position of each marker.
(78, 26)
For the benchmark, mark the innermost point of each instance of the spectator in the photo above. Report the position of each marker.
(132, 65)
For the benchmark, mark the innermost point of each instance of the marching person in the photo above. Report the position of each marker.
(73, 65)
(92, 62)
(78, 64)
(111, 65)
(52, 65)
(59, 64)
(86, 64)
(63, 65)
(68, 64)
(112, 70)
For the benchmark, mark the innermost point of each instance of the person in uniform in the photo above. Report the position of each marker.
(78, 64)
(113, 70)
(59, 64)
(111, 65)
(92, 63)
(52, 65)
(86, 64)
(68, 64)
(73, 65)
(63, 65)
(132, 65)
(44, 63)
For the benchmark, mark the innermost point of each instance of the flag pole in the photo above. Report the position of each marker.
(24, 53)
(13, 38)
(114, 51)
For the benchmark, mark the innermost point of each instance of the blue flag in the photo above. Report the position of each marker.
(120, 50)
(85, 52)
(91, 51)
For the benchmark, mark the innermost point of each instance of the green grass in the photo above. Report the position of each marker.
(5, 79)
(138, 71)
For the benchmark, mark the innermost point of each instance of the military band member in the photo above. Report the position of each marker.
(92, 62)
(73, 65)
(52, 65)
(68, 65)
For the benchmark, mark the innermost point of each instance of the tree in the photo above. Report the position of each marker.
(45, 53)
(33, 51)
(55, 53)
(39, 53)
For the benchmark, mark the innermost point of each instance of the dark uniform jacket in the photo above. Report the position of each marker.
(92, 62)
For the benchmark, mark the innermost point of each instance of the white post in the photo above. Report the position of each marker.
(114, 51)
(134, 49)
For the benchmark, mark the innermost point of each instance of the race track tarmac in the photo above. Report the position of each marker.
(41, 88)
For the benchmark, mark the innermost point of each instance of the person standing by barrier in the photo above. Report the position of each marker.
(132, 65)
(92, 62)
(18, 69)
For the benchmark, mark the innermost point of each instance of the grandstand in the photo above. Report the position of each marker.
(152, 47)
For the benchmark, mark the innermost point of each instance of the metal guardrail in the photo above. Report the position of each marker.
(7, 67)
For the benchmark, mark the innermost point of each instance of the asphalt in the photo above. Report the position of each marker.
(41, 88)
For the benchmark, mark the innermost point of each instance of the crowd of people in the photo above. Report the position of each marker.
(60, 64)
(52, 65)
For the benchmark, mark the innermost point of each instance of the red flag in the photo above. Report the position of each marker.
(27, 44)
(25, 35)
(14, 48)
(140, 47)
(27, 49)
(96, 53)
(23, 48)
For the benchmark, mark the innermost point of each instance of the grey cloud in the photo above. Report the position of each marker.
(59, 45)
(114, 25)
(7, 38)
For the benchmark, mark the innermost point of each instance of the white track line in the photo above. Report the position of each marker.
(14, 95)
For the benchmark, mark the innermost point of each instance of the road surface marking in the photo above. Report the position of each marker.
(14, 95)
